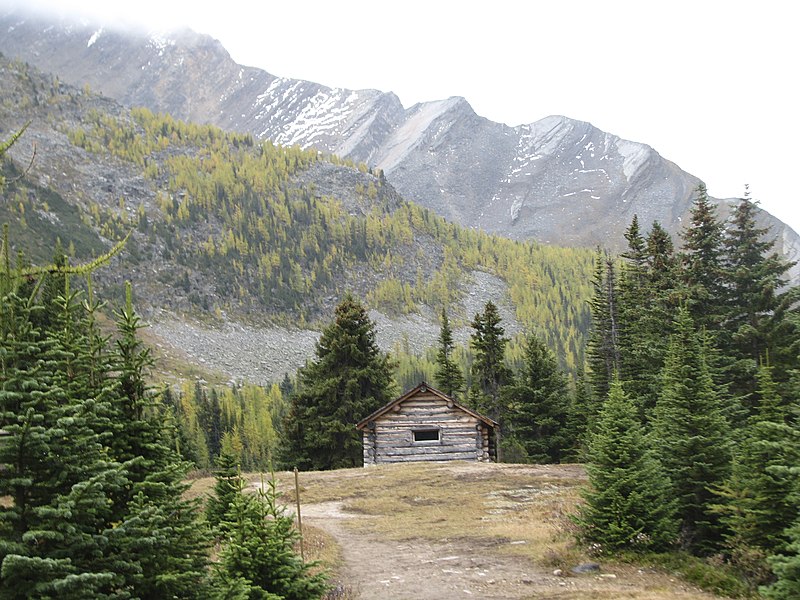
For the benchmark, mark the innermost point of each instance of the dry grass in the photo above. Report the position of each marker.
(518, 510)
(523, 508)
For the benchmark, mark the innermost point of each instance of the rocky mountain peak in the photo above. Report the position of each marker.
(557, 180)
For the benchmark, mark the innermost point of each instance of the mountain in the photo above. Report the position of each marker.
(238, 250)
(556, 180)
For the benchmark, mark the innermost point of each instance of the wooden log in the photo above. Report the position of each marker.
(423, 450)
(430, 458)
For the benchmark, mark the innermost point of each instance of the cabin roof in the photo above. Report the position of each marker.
(422, 388)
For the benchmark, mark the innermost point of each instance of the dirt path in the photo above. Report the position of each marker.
(378, 569)
(421, 569)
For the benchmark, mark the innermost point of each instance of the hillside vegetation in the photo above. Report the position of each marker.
(225, 226)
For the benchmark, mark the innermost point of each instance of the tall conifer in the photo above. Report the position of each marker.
(538, 404)
(449, 378)
(349, 378)
(628, 504)
(691, 434)
(756, 316)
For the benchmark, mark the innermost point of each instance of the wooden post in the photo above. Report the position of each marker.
(299, 519)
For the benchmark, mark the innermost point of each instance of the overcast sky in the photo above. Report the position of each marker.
(710, 85)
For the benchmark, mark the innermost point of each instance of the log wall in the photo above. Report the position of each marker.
(461, 436)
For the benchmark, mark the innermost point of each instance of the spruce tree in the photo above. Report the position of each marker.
(582, 414)
(259, 557)
(641, 319)
(786, 567)
(448, 377)
(349, 378)
(691, 435)
(628, 504)
(489, 371)
(759, 497)
(226, 488)
(157, 545)
(756, 316)
(53, 462)
(645, 321)
(702, 256)
(538, 404)
(602, 346)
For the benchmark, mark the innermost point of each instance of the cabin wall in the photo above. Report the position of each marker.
(461, 436)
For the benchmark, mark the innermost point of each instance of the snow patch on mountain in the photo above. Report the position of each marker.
(634, 157)
(410, 133)
(95, 36)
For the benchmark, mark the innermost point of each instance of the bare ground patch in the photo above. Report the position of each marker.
(464, 530)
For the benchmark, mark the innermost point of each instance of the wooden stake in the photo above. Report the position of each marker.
(299, 519)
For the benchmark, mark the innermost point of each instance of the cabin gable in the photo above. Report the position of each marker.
(426, 425)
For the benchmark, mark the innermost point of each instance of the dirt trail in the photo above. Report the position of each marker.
(378, 569)
(421, 569)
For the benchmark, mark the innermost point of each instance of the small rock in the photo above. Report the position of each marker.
(586, 568)
(608, 576)
(558, 572)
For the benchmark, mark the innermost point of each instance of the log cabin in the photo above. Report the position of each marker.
(426, 425)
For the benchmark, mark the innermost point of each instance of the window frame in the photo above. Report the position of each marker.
(426, 430)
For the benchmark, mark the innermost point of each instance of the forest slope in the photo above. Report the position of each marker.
(227, 230)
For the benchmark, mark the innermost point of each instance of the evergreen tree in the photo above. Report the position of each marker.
(227, 487)
(349, 379)
(641, 320)
(756, 316)
(538, 404)
(448, 376)
(643, 356)
(489, 371)
(627, 506)
(691, 434)
(786, 567)
(583, 411)
(759, 497)
(259, 556)
(602, 346)
(53, 465)
(702, 257)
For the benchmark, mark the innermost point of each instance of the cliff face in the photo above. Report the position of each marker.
(556, 180)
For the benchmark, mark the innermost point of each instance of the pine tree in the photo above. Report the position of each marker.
(691, 434)
(349, 379)
(448, 376)
(538, 404)
(627, 506)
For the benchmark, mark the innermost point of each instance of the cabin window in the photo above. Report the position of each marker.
(426, 435)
